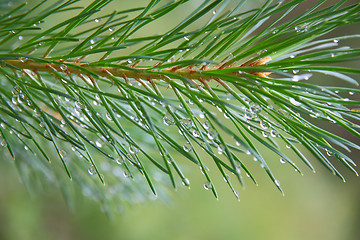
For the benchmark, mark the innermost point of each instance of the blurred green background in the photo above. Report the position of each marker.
(315, 206)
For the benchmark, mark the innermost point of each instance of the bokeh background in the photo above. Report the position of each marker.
(315, 206)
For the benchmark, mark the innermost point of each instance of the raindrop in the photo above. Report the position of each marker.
(186, 122)
(264, 125)
(274, 133)
(168, 120)
(63, 67)
(277, 182)
(288, 146)
(92, 170)
(120, 161)
(294, 102)
(186, 182)
(127, 173)
(221, 148)
(212, 134)
(214, 12)
(335, 41)
(187, 147)
(133, 149)
(96, 20)
(20, 38)
(110, 29)
(196, 133)
(265, 134)
(201, 115)
(207, 185)
(237, 143)
(206, 125)
(283, 160)
(26, 148)
(351, 93)
(98, 144)
(79, 105)
(108, 116)
(92, 41)
(186, 38)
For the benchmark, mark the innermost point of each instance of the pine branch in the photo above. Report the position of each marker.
(92, 83)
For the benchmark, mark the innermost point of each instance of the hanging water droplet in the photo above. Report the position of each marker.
(265, 134)
(79, 105)
(186, 122)
(274, 133)
(127, 173)
(110, 29)
(283, 160)
(133, 150)
(264, 125)
(92, 170)
(288, 146)
(207, 185)
(186, 38)
(335, 41)
(195, 133)
(251, 128)
(212, 134)
(168, 120)
(108, 116)
(63, 67)
(26, 148)
(120, 161)
(206, 125)
(98, 144)
(294, 102)
(221, 148)
(186, 182)
(277, 182)
(187, 147)
(237, 143)
(214, 12)
(351, 93)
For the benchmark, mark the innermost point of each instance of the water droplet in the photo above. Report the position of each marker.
(186, 182)
(221, 148)
(283, 160)
(196, 133)
(168, 120)
(187, 147)
(26, 148)
(186, 38)
(294, 102)
(237, 143)
(335, 41)
(264, 125)
(92, 41)
(98, 144)
(292, 56)
(127, 173)
(110, 29)
(351, 93)
(92, 170)
(277, 182)
(186, 122)
(255, 108)
(207, 185)
(214, 12)
(133, 150)
(97, 20)
(265, 134)
(63, 67)
(288, 146)
(201, 115)
(212, 134)
(120, 161)
(206, 125)
(251, 128)
(20, 38)
(79, 105)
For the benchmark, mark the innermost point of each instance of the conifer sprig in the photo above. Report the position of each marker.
(237, 84)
